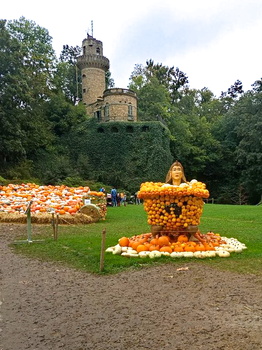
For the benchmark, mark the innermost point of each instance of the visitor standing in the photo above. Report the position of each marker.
(114, 197)
(137, 199)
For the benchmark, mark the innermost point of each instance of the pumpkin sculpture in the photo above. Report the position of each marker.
(175, 207)
(173, 211)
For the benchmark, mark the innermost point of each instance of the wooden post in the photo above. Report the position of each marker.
(56, 226)
(29, 226)
(102, 254)
(53, 224)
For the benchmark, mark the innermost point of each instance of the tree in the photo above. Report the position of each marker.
(157, 87)
(172, 78)
(27, 59)
(257, 86)
(11, 97)
(154, 101)
(68, 76)
(242, 132)
(192, 140)
(109, 80)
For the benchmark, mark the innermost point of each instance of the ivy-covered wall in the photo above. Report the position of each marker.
(123, 154)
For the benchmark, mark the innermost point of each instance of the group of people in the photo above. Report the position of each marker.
(118, 198)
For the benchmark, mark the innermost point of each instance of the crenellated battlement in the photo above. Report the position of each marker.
(93, 61)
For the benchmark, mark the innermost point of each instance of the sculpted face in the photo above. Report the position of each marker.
(176, 174)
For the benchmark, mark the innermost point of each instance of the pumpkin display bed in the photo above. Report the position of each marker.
(45, 200)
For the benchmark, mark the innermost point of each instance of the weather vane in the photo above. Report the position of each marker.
(92, 30)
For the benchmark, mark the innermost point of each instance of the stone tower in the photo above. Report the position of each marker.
(93, 66)
(105, 105)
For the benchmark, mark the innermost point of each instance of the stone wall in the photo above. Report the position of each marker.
(122, 105)
(93, 84)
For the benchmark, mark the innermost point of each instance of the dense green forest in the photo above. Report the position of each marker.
(217, 139)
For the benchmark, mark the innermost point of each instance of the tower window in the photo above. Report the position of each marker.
(130, 112)
(98, 51)
(84, 50)
(84, 90)
(106, 113)
(97, 115)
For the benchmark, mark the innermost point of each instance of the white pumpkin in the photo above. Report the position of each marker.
(125, 254)
(143, 254)
(210, 253)
(154, 254)
(197, 254)
(188, 254)
(223, 254)
(131, 251)
(176, 255)
(134, 255)
(238, 249)
(165, 253)
(117, 249)
(110, 250)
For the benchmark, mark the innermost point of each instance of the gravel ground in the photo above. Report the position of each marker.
(45, 306)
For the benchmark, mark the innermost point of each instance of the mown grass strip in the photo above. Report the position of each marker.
(79, 246)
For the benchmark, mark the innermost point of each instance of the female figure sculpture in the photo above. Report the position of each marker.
(176, 175)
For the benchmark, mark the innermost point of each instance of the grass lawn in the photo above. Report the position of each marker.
(80, 246)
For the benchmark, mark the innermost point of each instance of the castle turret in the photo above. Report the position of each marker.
(106, 105)
(93, 66)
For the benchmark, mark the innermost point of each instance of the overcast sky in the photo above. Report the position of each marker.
(215, 42)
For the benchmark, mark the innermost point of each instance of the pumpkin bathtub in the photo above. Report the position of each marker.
(173, 210)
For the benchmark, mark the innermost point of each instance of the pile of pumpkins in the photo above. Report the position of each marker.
(14, 198)
(146, 245)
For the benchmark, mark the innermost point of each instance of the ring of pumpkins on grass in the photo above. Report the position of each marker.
(146, 245)
(62, 199)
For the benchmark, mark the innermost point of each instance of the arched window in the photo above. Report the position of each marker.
(106, 112)
(130, 112)
(97, 115)
(98, 50)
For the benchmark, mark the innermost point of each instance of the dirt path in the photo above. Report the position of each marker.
(44, 306)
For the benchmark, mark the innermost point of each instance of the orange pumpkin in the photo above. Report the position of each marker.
(135, 244)
(182, 238)
(123, 242)
(141, 248)
(154, 247)
(163, 240)
(189, 247)
(200, 247)
(166, 248)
